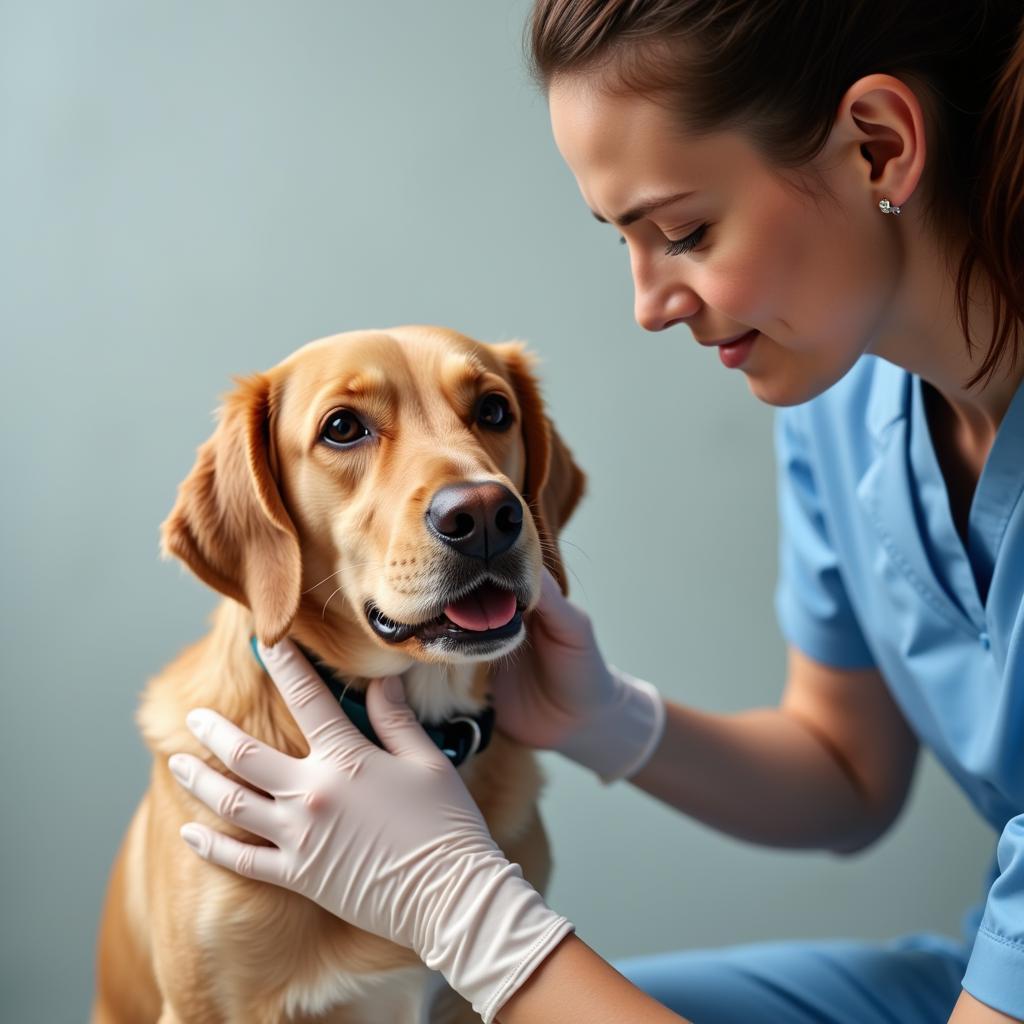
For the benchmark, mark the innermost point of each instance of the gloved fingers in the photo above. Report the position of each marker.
(558, 617)
(308, 699)
(396, 724)
(264, 863)
(234, 803)
(246, 757)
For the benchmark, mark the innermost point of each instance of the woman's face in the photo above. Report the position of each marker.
(744, 251)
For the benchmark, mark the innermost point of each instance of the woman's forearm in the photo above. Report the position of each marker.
(760, 775)
(573, 985)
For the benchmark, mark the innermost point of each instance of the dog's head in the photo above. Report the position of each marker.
(397, 491)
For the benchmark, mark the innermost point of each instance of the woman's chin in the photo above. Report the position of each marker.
(789, 379)
(782, 389)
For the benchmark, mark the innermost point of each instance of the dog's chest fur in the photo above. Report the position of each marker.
(400, 996)
(306, 960)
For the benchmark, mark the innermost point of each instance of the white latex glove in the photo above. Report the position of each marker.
(389, 840)
(556, 692)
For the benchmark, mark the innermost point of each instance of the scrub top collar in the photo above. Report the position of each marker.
(906, 475)
(996, 493)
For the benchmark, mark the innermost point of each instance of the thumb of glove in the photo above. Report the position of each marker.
(558, 618)
(395, 723)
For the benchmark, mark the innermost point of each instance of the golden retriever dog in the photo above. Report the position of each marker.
(387, 499)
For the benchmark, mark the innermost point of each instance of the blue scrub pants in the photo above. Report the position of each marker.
(910, 980)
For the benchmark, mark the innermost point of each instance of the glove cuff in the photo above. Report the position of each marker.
(620, 738)
(552, 928)
(497, 931)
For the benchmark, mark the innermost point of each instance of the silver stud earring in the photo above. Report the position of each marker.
(886, 207)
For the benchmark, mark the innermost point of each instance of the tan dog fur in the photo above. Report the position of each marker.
(297, 536)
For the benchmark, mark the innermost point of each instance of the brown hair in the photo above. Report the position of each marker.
(777, 69)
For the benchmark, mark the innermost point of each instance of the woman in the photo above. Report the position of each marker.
(831, 195)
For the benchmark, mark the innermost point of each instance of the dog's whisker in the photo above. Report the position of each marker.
(554, 548)
(514, 655)
(554, 551)
(324, 580)
(575, 576)
(570, 544)
(351, 565)
(328, 601)
(569, 569)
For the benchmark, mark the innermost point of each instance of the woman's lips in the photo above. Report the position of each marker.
(735, 354)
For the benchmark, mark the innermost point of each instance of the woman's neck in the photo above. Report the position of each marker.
(923, 335)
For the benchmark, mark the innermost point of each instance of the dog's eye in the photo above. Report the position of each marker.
(494, 413)
(344, 427)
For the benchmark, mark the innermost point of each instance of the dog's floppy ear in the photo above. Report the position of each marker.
(229, 525)
(554, 483)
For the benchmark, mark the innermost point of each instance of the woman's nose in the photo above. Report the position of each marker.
(660, 302)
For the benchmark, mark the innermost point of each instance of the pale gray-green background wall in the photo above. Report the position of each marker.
(193, 189)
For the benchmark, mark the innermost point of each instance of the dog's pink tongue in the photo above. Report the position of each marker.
(486, 608)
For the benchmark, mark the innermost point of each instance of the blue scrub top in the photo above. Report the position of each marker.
(872, 572)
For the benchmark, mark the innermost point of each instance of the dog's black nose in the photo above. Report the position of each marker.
(479, 520)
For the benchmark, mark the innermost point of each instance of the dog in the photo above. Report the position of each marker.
(386, 498)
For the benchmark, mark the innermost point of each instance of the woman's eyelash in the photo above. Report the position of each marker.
(686, 244)
(683, 245)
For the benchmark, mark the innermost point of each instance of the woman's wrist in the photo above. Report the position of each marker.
(622, 734)
(573, 985)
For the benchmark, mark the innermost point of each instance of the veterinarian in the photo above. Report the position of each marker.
(832, 196)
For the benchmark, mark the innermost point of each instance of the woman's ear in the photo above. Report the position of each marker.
(229, 525)
(554, 483)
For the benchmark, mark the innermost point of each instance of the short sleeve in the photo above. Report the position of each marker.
(995, 971)
(811, 601)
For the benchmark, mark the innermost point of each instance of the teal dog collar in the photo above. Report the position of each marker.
(458, 738)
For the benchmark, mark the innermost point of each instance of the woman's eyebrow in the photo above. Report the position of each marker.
(643, 209)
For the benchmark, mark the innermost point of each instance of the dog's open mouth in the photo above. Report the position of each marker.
(488, 612)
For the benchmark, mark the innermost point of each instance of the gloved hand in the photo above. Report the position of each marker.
(389, 840)
(556, 692)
